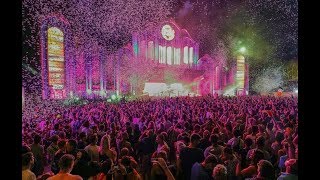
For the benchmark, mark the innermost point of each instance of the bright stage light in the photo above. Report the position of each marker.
(243, 49)
(163, 89)
(154, 89)
(296, 90)
(113, 97)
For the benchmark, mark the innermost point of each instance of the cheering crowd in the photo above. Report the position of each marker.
(247, 137)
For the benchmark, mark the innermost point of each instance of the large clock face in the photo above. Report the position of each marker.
(167, 32)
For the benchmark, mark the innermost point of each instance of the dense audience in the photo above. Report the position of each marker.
(248, 137)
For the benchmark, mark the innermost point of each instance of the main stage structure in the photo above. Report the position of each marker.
(160, 62)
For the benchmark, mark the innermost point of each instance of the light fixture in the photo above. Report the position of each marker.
(243, 49)
(113, 97)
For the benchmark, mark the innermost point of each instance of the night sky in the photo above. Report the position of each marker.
(276, 22)
(267, 28)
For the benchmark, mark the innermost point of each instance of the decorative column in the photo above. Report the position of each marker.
(105, 77)
(218, 79)
(211, 81)
(44, 62)
(135, 44)
(156, 50)
(118, 59)
(225, 74)
(114, 67)
(70, 64)
(181, 45)
(247, 78)
(213, 77)
(102, 72)
(88, 69)
(196, 54)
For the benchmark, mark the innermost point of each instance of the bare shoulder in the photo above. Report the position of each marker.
(77, 177)
(74, 177)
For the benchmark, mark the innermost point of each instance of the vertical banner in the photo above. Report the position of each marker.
(56, 62)
(240, 76)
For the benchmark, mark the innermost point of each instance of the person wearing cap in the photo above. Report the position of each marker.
(291, 170)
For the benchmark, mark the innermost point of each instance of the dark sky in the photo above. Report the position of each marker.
(277, 22)
(274, 23)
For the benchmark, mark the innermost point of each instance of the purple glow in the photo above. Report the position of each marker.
(95, 73)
